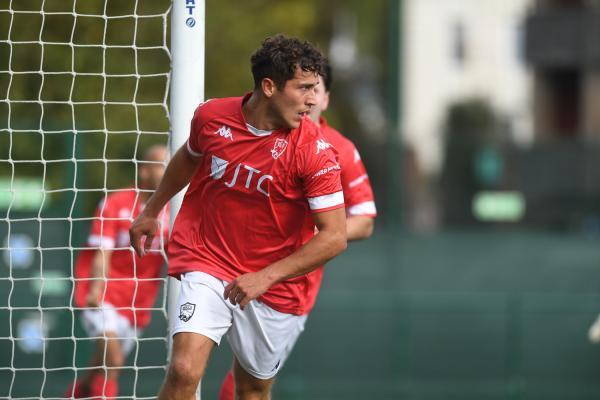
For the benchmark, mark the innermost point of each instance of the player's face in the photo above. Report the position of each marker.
(155, 173)
(152, 172)
(296, 98)
(322, 101)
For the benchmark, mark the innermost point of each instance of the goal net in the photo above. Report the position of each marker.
(84, 88)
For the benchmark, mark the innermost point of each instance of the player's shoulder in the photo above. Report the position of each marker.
(121, 196)
(218, 108)
(308, 134)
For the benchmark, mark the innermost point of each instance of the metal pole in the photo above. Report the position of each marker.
(187, 91)
(394, 157)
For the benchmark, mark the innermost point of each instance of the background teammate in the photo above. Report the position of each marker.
(358, 195)
(243, 244)
(115, 287)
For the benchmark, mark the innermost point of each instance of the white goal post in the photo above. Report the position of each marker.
(85, 87)
(187, 91)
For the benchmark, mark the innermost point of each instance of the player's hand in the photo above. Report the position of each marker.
(143, 227)
(245, 288)
(94, 296)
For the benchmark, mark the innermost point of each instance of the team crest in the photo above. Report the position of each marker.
(186, 311)
(278, 148)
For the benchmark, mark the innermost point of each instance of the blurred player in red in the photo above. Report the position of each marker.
(358, 195)
(115, 287)
(244, 243)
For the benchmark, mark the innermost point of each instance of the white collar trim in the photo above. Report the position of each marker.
(257, 132)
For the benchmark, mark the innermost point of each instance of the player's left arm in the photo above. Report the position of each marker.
(103, 237)
(325, 245)
(358, 195)
(359, 227)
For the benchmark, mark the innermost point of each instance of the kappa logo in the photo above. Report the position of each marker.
(225, 132)
(186, 311)
(279, 148)
(322, 145)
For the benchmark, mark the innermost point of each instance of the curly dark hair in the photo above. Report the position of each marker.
(327, 76)
(278, 57)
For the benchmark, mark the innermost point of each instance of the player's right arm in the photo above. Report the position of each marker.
(99, 271)
(102, 239)
(177, 175)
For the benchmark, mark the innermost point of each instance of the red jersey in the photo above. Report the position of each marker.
(250, 200)
(132, 282)
(358, 195)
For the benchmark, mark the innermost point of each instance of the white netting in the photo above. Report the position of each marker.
(83, 91)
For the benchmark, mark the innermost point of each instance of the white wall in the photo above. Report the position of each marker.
(493, 68)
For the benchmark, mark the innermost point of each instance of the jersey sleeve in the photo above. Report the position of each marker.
(358, 193)
(103, 233)
(320, 173)
(194, 145)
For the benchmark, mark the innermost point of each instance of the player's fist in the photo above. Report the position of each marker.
(246, 288)
(142, 232)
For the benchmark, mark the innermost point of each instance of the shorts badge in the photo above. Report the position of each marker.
(186, 311)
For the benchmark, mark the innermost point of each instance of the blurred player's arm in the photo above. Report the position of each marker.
(176, 177)
(359, 227)
(329, 241)
(358, 195)
(99, 271)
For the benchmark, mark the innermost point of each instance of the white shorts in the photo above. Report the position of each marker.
(96, 322)
(260, 337)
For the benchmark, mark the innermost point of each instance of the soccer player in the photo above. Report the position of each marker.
(243, 244)
(358, 195)
(115, 287)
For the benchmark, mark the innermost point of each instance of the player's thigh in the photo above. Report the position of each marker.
(189, 356)
(262, 338)
(127, 335)
(248, 384)
(202, 308)
(204, 317)
(107, 324)
(97, 321)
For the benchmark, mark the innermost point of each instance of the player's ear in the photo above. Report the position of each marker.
(325, 101)
(268, 87)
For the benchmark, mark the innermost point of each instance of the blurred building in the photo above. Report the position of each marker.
(503, 96)
(560, 174)
(563, 48)
(461, 49)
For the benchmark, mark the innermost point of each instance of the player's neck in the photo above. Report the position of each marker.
(256, 113)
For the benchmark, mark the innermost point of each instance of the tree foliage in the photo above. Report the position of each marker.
(104, 80)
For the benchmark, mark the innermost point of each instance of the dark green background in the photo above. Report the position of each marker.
(463, 315)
